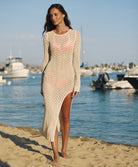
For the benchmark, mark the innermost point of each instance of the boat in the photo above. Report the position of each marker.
(14, 69)
(82, 50)
(132, 77)
(85, 72)
(133, 81)
(2, 81)
(104, 82)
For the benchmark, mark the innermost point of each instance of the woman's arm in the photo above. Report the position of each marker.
(76, 62)
(46, 58)
(46, 52)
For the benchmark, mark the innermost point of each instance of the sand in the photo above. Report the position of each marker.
(26, 147)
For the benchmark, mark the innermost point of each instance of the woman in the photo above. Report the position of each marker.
(61, 63)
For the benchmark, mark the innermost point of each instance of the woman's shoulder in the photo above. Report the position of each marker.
(75, 32)
(47, 33)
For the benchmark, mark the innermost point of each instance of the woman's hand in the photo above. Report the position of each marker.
(74, 94)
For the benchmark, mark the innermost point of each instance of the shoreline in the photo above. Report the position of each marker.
(34, 131)
(26, 147)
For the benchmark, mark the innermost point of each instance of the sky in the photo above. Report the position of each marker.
(109, 28)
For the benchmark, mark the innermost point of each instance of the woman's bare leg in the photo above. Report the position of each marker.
(66, 106)
(55, 149)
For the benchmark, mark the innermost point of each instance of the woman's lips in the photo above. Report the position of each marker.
(54, 22)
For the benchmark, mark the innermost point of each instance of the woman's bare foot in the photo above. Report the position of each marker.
(64, 155)
(55, 162)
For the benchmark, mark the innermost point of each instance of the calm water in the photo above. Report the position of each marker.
(110, 116)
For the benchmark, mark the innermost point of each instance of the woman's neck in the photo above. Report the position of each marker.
(61, 29)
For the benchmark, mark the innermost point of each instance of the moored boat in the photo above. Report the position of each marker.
(133, 81)
(104, 82)
(14, 69)
(132, 77)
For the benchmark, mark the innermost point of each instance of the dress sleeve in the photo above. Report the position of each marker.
(46, 52)
(46, 57)
(76, 61)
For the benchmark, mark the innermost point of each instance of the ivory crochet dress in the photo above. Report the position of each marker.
(61, 76)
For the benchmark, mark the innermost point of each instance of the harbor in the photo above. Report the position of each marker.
(47, 51)
(106, 102)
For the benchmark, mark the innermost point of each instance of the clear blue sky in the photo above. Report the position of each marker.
(110, 29)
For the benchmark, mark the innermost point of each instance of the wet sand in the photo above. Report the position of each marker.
(26, 147)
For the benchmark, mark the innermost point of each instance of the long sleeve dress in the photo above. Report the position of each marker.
(60, 76)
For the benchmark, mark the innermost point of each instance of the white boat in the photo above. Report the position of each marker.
(132, 77)
(2, 81)
(104, 82)
(132, 72)
(88, 72)
(14, 69)
(124, 84)
(85, 72)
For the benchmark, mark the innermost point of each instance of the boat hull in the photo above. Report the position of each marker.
(133, 81)
(24, 73)
(118, 85)
(104, 82)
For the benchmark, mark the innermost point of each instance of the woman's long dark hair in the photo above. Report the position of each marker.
(48, 26)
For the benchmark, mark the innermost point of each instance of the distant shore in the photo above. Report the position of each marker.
(94, 70)
(26, 147)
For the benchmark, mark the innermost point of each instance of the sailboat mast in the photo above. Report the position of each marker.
(10, 53)
(82, 50)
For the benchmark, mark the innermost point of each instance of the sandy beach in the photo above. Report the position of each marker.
(26, 147)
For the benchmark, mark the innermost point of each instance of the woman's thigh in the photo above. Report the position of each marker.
(66, 106)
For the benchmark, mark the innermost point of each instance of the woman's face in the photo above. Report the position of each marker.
(56, 16)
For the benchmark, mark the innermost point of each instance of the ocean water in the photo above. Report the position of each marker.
(110, 116)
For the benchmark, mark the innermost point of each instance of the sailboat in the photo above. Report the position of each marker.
(83, 71)
(82, 50)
